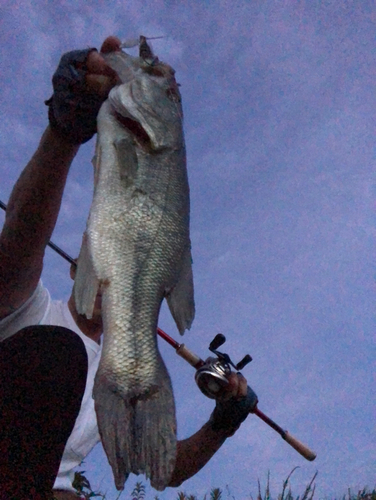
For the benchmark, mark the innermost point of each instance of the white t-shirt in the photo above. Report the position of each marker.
(39, 309)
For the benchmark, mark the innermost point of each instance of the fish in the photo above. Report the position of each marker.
(136, 252)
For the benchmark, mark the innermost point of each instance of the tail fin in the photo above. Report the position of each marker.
(138, 435)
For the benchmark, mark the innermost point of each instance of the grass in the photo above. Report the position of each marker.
(83, 488)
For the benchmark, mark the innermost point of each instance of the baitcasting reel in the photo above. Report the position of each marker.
(212, 376)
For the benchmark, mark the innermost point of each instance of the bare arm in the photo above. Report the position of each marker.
(30, 219)
(196, 451)
(35, 201)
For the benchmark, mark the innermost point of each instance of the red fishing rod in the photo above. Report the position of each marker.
(211, 375)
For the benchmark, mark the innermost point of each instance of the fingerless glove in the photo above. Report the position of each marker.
(228, 415)
(72, 108)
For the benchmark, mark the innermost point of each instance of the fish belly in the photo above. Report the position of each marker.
(136, 250)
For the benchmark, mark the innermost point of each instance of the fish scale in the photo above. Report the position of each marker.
(136, 252)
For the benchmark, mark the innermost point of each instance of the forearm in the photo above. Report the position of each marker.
(35, 200)
(195, 452)
(30, 219)
(238, 400)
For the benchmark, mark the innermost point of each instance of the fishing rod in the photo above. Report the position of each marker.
(212, 375)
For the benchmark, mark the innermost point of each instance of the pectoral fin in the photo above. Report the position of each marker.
(180, 299)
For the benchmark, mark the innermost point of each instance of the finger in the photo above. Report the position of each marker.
(111, 44)
(242, 386)
(97, 65)
(231, 388)
(100, 84)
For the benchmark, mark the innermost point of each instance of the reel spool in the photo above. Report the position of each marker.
(212, 376)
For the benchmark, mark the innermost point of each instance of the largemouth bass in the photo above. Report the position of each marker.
(136, 252)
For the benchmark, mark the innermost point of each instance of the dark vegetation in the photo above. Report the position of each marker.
(83, 488)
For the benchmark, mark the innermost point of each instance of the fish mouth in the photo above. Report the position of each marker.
(135, 128)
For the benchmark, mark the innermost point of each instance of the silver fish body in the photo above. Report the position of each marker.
(136, 251)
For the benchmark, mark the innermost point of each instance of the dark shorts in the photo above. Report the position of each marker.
(43, 373)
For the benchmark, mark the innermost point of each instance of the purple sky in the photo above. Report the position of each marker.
(279, 101)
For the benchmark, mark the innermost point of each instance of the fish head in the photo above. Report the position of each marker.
(152, 99)
(149, 95)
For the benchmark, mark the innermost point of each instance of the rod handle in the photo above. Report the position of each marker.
(189, 356)
(299, 446)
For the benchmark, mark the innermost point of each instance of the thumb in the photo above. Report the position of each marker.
(111, 44)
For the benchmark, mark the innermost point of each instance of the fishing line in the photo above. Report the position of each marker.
(133, 42)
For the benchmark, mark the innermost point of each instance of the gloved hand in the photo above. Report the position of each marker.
(81, 83)
(230, 412)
